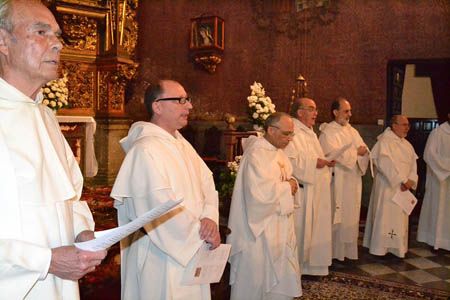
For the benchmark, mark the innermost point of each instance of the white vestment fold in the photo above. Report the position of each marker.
(159, 167)
(434, 221)
(387, 224)
(40, 188)
(346, 186)
(312, 217)
(263, 257)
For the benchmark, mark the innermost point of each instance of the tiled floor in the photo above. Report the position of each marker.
(422, 266)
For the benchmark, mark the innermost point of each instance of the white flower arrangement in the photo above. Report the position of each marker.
(227, 178)
(233, 166)
(260, 106)
(56, 93)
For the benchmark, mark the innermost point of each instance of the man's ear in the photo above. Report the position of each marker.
(335, 112)
(156, 107)
(4, 37)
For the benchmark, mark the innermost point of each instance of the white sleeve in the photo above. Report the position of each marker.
(141, 186)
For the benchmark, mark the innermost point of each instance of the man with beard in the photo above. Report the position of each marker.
(346, 184)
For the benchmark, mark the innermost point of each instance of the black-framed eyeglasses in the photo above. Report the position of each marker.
(309, 108)
(181, 100)
(285, 133)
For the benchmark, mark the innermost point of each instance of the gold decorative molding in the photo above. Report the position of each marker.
(112, 86)
(81, 85)
(208, 61)
(99, 38)
(79, 32)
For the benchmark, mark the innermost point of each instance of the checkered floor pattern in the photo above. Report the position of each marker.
(422, 266)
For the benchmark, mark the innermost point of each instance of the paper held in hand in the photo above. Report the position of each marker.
(105, 239)
(207, 265)
(405, 200)
(333, 155)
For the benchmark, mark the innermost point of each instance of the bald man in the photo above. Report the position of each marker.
(312, 170)
(395, 160)
(346, 184)
(263, 246)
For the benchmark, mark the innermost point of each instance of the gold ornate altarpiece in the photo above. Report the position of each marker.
(99, 39)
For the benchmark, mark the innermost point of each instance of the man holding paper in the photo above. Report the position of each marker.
(263, 259)
(341, 142)
(312, 217)
(434, 222)
(40, 181)
(396, 171)
(160, 165)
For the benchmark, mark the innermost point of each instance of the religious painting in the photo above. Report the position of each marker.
(207, 32)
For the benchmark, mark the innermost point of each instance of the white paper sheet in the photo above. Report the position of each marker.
(336, 153)
(406, 200)
(105, 239)
(207, 265)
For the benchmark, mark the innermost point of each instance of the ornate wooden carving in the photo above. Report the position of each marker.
(99, 38)
(81, 85)
(113, 81)
(79, 32)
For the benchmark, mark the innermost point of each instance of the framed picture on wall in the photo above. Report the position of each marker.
(207, 33)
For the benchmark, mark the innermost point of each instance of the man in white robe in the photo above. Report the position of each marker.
(434, 221)
(160, 165)
(396, 170)
(346, 183)
(312, 217)
(40, 181)
(263, 257)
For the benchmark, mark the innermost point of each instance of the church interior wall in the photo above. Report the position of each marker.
(346, 57)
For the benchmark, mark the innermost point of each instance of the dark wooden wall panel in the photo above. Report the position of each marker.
(346, 57)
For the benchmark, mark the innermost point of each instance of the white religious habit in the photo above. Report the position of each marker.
(263, 258)
(159, 167)
(40, 188)
(434, 222)
(312, 217)
(387, 224)
(346, 186)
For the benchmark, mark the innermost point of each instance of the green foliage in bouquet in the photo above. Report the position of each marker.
(227, 179)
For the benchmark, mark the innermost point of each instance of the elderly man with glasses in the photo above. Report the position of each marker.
(396, 170)
(346, 184)
(312, 170)
(160, 165)
(263, 257)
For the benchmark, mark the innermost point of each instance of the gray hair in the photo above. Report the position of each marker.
(5, 15)
(6, 10)
(274, 118)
